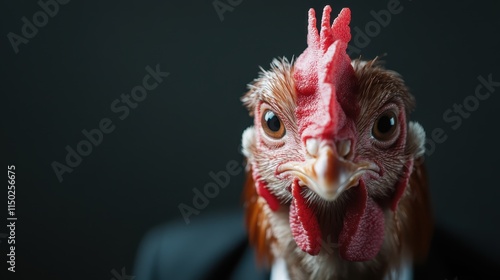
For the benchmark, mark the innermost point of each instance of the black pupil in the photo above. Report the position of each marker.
(385, 123)
(272, 121)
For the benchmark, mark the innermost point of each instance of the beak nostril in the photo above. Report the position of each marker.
(312, 146)
(344, 148)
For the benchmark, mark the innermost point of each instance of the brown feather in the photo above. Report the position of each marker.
(415, 208)
(256, 220)
(414, 223)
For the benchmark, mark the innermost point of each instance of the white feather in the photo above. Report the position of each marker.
(416, 135)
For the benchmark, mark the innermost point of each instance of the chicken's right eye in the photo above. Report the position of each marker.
(272, 125)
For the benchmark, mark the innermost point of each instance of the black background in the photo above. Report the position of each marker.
(65, 78)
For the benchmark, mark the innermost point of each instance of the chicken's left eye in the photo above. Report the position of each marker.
(272, 125)
(385, 126)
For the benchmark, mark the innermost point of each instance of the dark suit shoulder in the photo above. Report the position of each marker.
(214, 247)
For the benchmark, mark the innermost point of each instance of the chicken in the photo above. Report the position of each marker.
(335, 188)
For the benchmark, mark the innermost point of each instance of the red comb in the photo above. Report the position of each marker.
(324, 75)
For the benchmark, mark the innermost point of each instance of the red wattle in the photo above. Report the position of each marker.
(362, 234)
(270, 198)
(303, 223)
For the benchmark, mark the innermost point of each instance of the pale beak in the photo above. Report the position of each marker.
(326, 173)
